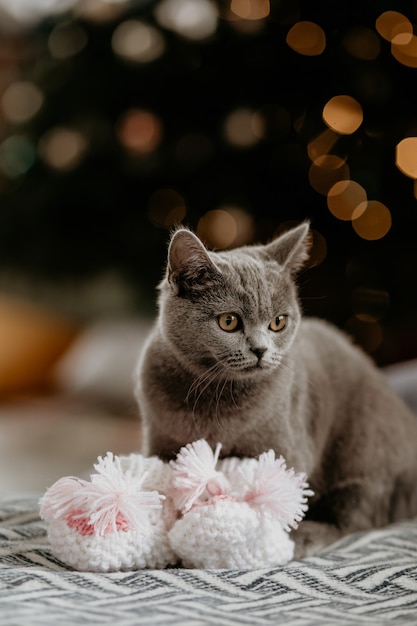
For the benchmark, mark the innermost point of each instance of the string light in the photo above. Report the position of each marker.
(218, 228)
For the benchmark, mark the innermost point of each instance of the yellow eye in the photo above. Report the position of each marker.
(229, 322)
(278, 323)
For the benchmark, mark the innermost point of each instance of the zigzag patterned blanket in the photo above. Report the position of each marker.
(368, 578)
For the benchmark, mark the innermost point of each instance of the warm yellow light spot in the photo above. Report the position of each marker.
(368, 304)
(62, 148)
(243, 128)
(362, 43)
(392, 23)
(367, 334)
(21, 101)
(374, 222)
(406, 156)
(347, 200)
(66, 40)
(166, 208)
(250, 9)
(218, 229)
(137, 41)
(343, 114)
(306, 38)
(245, 228)
(322, 144)
(100, 11)
(327, 170)
(404, 49)
(139, 131)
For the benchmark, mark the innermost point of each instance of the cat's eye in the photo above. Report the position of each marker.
(278, 323)
(229, 322)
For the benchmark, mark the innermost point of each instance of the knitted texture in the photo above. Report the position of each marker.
(138, 512)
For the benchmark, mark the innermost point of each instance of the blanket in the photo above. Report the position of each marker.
(366, 578)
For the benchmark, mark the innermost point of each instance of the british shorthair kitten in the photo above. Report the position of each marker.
(232, 360)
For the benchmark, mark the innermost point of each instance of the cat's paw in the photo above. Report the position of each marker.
(312, 537)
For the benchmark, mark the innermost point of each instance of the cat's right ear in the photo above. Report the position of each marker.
(190, 269)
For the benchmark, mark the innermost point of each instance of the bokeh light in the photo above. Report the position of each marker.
(21, 101)
(392, 23)
(307, 38)
(63, 148)
(404, 49)
(243, 128)
(326, 171)
(218, 229)
(362, 43)
(245, 226)
(250, 9)
(406, 156)
(374, 222)
(343, 114)
(136, 41)
(193, 19)
(166, 208)
(347, 200)
(66, 40)
(139, 131)
(322, 144)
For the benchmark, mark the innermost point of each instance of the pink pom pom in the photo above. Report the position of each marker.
(279, 491)
(195, 478)
(111, 502)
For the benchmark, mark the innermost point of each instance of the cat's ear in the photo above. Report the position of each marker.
(190, 269)
(291, 250)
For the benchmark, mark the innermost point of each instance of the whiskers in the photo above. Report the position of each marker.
(203, 382)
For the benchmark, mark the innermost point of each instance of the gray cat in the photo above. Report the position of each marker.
(232, 360)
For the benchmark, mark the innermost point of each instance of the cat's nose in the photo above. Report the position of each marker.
(259, 351)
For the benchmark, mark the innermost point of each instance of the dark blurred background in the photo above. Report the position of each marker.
(238, 118)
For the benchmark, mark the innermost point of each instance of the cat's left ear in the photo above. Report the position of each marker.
(291, 250)
(190, 269)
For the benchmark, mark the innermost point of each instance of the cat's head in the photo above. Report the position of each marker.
(235, 311)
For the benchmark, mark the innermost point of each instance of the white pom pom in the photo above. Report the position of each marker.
(279, 491)
(195, 476)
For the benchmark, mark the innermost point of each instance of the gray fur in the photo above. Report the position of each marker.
(305, 391)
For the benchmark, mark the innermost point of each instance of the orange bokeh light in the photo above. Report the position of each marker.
(139, 131)
(406, 156)
(347, 200)
(392, 23)
(306, 38)
(327, 170)
(343, 114)
(374, 222)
